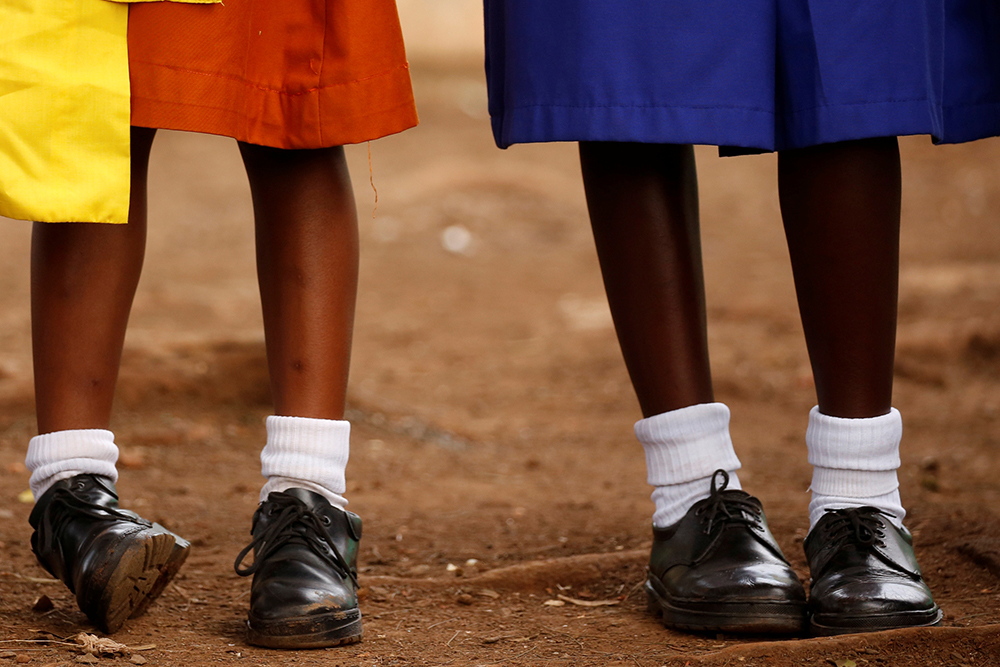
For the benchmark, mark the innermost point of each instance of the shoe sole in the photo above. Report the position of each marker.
(178, 555)
(124, 579)
(316, 631)
(826, 626)
(765, 618)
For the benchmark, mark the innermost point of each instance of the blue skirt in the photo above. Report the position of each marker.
(755, 74)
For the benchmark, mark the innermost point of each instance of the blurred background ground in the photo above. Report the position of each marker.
(493, 461)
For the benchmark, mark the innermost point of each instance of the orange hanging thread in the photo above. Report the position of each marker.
(371, 179)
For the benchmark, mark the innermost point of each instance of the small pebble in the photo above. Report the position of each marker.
(139, 660)
(465, 599)
(22, 658)
(87, 659)
(456, 239)
(42, 605)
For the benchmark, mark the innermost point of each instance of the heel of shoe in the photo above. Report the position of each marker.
(178, 555)
(129, 573)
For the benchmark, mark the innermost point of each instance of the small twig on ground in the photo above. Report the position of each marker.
(512, 636)
(962, 618)
(563, 633)
(633, 590)
(184, 593)
(448, 643)
(33, 580)
(447, 620)
(521, 655)
(36, 641)
(588, 603)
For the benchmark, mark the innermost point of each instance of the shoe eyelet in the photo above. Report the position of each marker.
(325, 520)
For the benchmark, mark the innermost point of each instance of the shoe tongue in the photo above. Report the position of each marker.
(312, 499)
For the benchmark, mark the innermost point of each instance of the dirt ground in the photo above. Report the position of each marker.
(493, 459)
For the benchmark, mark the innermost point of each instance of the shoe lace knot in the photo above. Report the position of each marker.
(862, 526)
(729, 507)
(291, 521)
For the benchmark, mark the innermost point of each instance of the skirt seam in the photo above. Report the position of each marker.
(266, 89)
(239, 114)
(637, 106)
(858, 104)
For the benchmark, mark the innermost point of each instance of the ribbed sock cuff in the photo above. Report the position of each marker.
(687, 444)
(306, 453)
(854, 458)
(683, 449)
(63, 454)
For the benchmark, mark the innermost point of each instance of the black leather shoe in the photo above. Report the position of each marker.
(719, 570)
(865, 576)
(115, 561)
(305, 581)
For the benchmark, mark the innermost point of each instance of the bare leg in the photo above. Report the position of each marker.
(644, 211)
(841, 207)
(83, 280)
(307, 266)
(643, 201)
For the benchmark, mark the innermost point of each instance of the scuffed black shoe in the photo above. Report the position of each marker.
(305, 581)
(865, 575)
(113, 560)
(719, 569)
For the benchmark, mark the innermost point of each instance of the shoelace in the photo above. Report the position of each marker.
(864, 528)
(293, 522)
(732, 506)
(63, 498)
(861, 525)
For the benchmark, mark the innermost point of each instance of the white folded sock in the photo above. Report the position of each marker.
(684, 448)
(854, 463)
(64, 454)
(306, 453)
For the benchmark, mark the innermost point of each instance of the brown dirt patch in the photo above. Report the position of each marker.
(493, 414)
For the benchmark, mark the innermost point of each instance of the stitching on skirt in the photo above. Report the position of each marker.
(858, 104)
(243, 115)
(637, 106)
(275, 90)
(709, 106)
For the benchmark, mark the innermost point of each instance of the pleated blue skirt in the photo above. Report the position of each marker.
(753, 74)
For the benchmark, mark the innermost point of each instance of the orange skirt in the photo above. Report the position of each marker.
(281, 73)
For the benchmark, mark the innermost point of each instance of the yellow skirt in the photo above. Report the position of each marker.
(64, 110)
